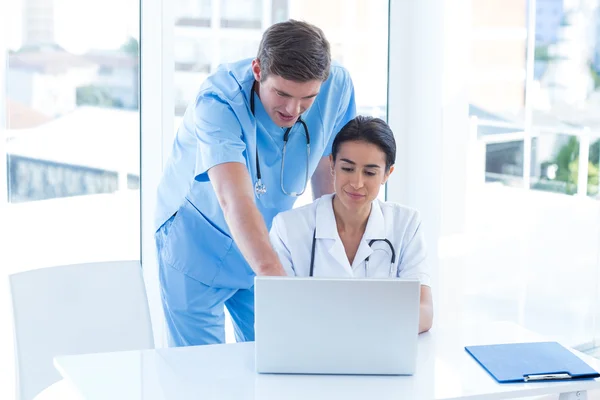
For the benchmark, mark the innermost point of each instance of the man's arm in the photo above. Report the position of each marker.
(322, 180)
(426, 309)
(233, 187)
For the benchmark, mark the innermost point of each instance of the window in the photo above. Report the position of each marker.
(241, 14)
(533, 230)
(193, 13)
(352, 30)
(70, 140)
(103, 70)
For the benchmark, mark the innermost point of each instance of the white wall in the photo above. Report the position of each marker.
(415, 109)
(428, 111)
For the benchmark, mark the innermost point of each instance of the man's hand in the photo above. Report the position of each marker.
(274, 271)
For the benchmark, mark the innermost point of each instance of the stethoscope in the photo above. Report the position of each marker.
(314, 243)
(259, 187)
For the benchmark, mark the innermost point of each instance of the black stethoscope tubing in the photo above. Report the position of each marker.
(314, 243)
(259, 187)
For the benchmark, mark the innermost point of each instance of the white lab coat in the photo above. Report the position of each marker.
(292, 233)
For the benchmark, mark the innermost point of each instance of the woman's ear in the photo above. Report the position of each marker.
(387, 175)
(331, 165)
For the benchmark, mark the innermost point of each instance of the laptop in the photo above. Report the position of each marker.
(336, 325)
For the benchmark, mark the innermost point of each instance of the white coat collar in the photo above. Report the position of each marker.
(327, 228)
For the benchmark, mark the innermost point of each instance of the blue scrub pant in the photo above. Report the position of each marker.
(195, 312)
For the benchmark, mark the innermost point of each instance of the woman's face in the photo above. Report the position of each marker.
(358, 172)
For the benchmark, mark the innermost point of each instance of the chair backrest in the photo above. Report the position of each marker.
(75, 309)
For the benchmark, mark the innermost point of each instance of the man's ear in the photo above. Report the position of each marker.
(256, 69)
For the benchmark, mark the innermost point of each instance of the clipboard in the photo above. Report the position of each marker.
(531, 362)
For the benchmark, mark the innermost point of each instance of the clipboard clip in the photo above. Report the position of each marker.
(547, 377)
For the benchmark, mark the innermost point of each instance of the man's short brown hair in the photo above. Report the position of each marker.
(296, 51)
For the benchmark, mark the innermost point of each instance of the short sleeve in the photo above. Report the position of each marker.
(413, 262)
(219, 135)
(278, 241)
(346, 112)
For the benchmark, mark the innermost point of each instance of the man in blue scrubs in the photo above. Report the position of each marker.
(224, 180)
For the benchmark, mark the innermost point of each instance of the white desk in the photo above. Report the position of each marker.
(444, 371)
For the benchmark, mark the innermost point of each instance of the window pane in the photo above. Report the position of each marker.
(497, 85)
(593, 167)
(526, 249)
(567, 64)
(280, 10)
(194, 13)
(528, 245)
(72, 139)
(354, 29)
(360, 29)
(233, 48)
(504, 163)
(358, 34)
(498, 50)
(241, 14)
(557, 160)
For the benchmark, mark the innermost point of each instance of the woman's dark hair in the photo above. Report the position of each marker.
(296, 51)
(368, 130)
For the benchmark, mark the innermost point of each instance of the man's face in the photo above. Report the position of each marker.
(284, 100)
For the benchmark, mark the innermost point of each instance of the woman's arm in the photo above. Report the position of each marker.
(413, 264)
(426, 309)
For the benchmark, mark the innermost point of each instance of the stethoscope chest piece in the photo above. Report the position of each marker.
(260, 188)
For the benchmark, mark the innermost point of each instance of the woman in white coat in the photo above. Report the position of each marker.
(351, 233)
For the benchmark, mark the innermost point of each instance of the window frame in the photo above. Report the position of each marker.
(157, 67)
(3, 109)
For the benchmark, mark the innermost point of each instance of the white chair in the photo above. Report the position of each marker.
(75, 309)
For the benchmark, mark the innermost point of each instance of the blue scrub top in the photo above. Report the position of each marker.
(218, 127)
